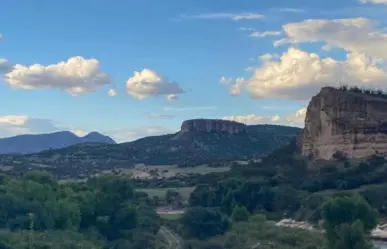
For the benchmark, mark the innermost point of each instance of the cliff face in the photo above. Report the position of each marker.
(353, 123)
(213, 125)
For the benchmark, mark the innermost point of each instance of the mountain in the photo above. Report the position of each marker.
(350, 120)
(26, 144)
(200, 141)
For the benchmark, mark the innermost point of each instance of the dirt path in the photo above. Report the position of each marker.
(174, 241)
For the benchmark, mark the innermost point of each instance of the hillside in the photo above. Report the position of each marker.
(26, 144)
(185, 148)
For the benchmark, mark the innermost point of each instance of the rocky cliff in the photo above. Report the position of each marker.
(353, 122)
(213, 125)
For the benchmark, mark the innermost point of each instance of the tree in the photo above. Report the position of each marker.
(347, 221)
(202, 223)
(173, 197)
(240, 213)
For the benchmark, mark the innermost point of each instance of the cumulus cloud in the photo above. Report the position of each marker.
(265, 34)
(374, 1)
(112, 93)
(294, 119)
(147, 83)
(230, 16)
(359, 35)
(297, 75)
(76, 76)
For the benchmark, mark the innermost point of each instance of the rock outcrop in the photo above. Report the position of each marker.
(213, 125)
(352, 122)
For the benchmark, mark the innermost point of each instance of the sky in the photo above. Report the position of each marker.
(135, 68)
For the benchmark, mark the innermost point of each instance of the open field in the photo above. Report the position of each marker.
(167, 171)
(170, 216)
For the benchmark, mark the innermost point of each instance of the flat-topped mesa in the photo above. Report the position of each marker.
(350, 121)
(213, 125)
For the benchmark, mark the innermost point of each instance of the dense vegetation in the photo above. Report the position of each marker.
(371, 92)
(287, 185)
(183, 148)
(105, 212)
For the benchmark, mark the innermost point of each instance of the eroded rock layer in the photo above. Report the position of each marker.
(213, 125)
(342, 120)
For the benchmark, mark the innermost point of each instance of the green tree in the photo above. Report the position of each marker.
(202, 223)
(173, 197)
(347, 221)
(239, 213)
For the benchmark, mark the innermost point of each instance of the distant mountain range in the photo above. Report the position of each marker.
(27, 144)
(198, 142)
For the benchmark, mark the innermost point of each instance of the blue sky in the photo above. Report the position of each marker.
(186, 48)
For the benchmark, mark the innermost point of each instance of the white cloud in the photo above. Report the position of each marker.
(13, 120)
(191, 108)
(298, 75)
(112, 93)
(360, 35)
(147, 83)
(172, 97)
(230, 16)
(79, 132)
(292, 10)
(374, 1)
(75, 76)
(1, 36)
(159, 116)
(128, 134)
(294, 119)
(12, 125)
(5, 65)
(265, 34)
(235, 85)
(253, 119)
(245, 29)
(268, 57)
(225, 81)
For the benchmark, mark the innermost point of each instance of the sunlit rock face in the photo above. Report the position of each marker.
(354, 123)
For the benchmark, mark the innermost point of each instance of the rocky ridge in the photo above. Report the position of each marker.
(213, 125)
(352, 122)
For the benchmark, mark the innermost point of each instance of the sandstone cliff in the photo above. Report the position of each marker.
(351, 122)
(213, 125)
